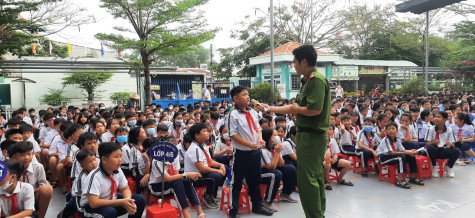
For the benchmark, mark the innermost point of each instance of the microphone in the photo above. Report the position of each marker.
(254, 102)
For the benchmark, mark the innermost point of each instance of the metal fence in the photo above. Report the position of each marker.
(189, 90)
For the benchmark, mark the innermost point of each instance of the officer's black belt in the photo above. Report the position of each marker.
(310, 130)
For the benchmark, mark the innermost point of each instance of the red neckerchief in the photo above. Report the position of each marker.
(171, 170)
(460, 133)
(273, 152)
(25, 175)
(228, 144)
(114, 187)
(250, 121)
(112, 139)
(370, 141)
(351, 134)
(208, 160)
(178, 133)
(392, 145)
(14, 207)
(356, 127)
(33, 120)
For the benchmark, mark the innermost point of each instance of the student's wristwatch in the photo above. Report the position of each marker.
(184, 176)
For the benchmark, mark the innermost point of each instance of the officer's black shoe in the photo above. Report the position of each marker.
(262, 210)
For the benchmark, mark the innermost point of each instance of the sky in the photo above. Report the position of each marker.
(223, 14)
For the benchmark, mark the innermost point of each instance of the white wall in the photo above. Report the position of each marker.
(120, 82)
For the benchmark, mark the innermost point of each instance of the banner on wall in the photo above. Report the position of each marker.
(197, 90)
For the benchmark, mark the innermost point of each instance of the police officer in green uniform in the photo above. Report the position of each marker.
(313, 106)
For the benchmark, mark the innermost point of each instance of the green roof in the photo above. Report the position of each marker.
(382, 63)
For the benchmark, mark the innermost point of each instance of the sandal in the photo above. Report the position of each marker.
(348, 183)
(403, 184)
(416, 181)
(328, 186)
(201, 215)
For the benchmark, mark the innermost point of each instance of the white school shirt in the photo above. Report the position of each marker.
(362, 138)
(334, 149)
(401, 133)
(289, 147)
(97, 183)
(28, 120)
(59, 146)
(237, 125)
(467, 131)
(34, 175)
(195, 154)
(72, 151)
(50, 136)
(181, 152)
(76, 168)
(136, 160)
(126, 156)
(156, 171)
(385, 146)
(266, 157)
(446, 136)
(422, 128)
(106, 137)
(25, 199)
(76, 188)
(44, 130)
(220, 146)
(36, 146)
(346, 138)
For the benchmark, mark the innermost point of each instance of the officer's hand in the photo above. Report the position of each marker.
(294, 107)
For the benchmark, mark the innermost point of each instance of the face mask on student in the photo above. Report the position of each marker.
(32, 114)
(225, 136)
(132, 123)
(179, 122)
(151, 131)
(165, 122)
(122, 139)
(7, 185)
(276, 139)
(102, 108)
(156, 114)
(368, 128)
(170, 108)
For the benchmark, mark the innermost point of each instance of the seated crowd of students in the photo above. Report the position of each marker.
(99, 151)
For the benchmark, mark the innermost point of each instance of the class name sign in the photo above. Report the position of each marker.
(163, 151)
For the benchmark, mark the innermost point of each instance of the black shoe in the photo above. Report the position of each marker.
(262, 210)
(364, 174)
(209, 202)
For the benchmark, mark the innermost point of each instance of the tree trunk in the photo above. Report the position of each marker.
(146, 64)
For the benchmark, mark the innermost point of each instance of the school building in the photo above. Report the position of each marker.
(357, 76)
(286, 79)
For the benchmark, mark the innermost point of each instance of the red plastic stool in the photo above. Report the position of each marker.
(168, 211)
(244, 201)
(167, 200)
(131, 184)
(442, 163)
(263, 193)
(424, 167)
(390, 175)
(359, 168)
(333, 177)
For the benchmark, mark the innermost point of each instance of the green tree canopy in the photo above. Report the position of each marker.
(161, 28)
(89, 82)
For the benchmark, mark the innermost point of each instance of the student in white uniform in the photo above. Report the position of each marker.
(289, 154)
(406, 132)
(106, 192)
(28, 136)
(57, 157)
(464, 133)
(86, 141)
(16, 198)
(335, 162)
(178, 184)
(346, 136)
(223, 151)
(423, 124)
(138, 162)
(182, 147)
(367, 144)
(198, 159)
(109, 135)
(88, 162)
(391, 151)
(34, 174)
(440, 144)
